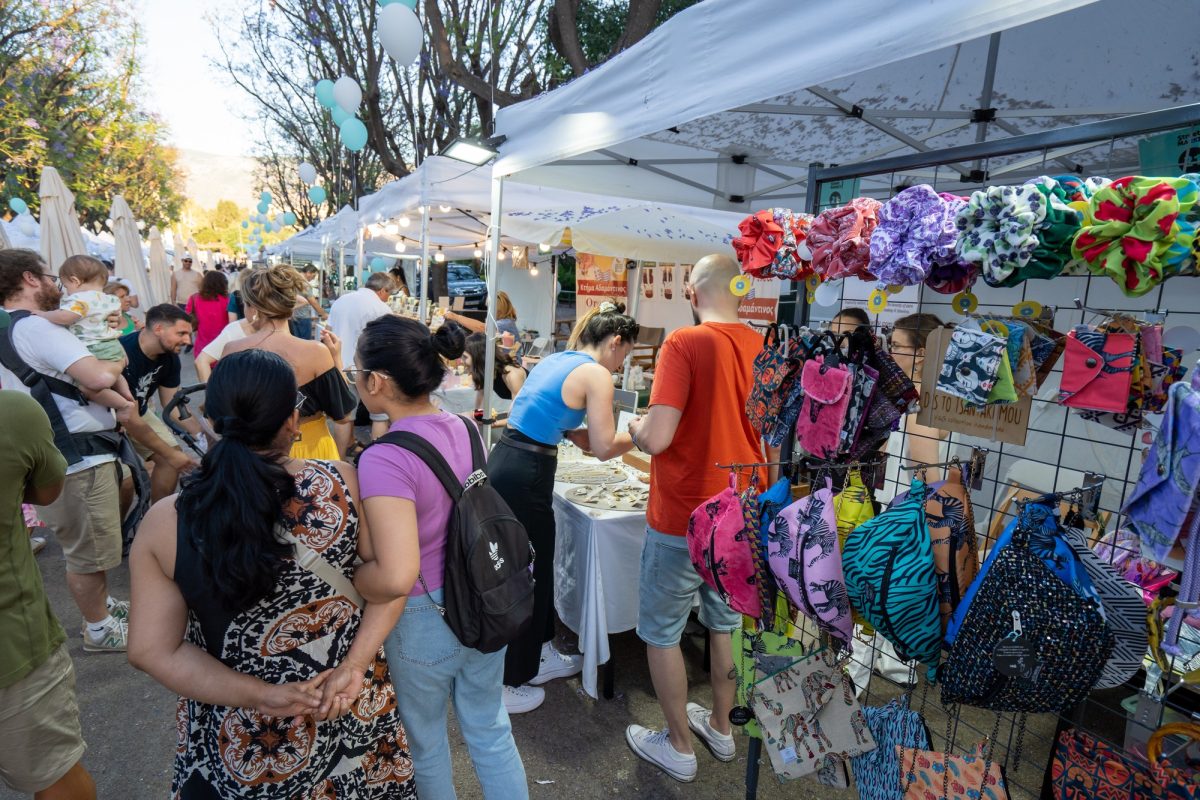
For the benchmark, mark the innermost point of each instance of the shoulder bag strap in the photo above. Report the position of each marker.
(312, 561)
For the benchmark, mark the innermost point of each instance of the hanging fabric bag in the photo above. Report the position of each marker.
(893, 727)
(719, 543)
(823, 412)
(1097, 370)
(772, 368)
(972, 365)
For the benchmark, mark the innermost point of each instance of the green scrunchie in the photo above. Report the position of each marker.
(1054, 235)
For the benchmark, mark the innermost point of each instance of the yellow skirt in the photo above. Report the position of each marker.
(315, 441)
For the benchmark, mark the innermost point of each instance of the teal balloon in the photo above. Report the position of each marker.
(245, 224)
(354, 134)
(325, 93)
(265, 197)
(340, 116)
(378, 264)
(410, 3)
(317, 195)
(18, 205)
(289, 218)
(263, 206)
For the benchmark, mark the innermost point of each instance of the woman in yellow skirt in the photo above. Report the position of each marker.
(325, 396)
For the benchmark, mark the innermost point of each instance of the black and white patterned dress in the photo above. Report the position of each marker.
(301, 629)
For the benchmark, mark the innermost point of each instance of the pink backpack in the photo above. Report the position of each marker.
(720, 534)
(802, 550)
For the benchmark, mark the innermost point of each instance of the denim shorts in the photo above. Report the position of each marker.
(668, 584)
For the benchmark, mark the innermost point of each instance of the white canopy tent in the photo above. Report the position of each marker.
(844, 82)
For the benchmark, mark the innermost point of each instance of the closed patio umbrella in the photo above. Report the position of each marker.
(61, 236)
(130, 263)
(160, 272)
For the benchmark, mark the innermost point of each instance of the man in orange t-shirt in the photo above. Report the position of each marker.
(697, 419)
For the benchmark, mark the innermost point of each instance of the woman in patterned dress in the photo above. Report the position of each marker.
(284, 692)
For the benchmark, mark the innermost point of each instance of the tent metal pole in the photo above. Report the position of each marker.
(359, 248)
(423, 304)
(985, 96)
(493, 268)
(634, 303)
(341, 283)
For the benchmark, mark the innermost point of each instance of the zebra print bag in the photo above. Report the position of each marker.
(891, 580)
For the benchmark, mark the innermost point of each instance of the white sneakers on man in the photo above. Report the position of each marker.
(655, 747)
(521, 699)
(556, 665)
(719, 744)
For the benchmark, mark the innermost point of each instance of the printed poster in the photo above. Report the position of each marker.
(599, 279)
(760, 306)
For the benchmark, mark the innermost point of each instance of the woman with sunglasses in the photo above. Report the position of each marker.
(273, 293)
(267, 651)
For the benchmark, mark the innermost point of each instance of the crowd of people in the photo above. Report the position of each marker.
(296, 602)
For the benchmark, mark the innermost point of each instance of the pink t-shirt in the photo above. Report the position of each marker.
(388, 471)
(211, 318)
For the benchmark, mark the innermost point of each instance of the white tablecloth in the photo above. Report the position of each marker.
(597, 560)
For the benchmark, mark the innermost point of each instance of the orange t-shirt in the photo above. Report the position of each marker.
(706, 372)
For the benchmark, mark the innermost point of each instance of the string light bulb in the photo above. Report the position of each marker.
(543, 248)
(503, 255)
(533, 271)
(401, 246)
(444, 209)
(391, 229)
(404, 222)
(439, 256)
(478, 252)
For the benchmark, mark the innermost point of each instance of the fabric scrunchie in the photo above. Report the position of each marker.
(840, 240)
(1054, 234)
(915, 228)
(768, 245)
(1132, 226)
(949, 274)
(997, 229)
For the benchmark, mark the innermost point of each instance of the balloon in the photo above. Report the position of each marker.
(265, 197)
(354, 134)
(347, 94)
(27, 225)
(827, 294)
(316, 195)
(325, 93)
(378, 264)
(308, 173)
(340, 116)
(263, 205)
(18, 205)
(289, 218)
(400, 33)
(245, 224)
(409, 3)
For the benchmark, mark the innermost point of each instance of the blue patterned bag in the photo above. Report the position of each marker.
(877, 773)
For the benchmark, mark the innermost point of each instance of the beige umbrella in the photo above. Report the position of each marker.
(195, 253)
(178, 243)
(160, 272)
(130, 263)
(61, 236)
(5, 244)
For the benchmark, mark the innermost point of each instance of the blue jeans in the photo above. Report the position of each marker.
(429, 666)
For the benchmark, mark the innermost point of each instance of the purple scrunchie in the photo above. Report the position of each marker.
(948, 274)
(916, 230)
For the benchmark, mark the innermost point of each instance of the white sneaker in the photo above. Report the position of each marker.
(118, 608)
(719, 744)
(656, 747)
(520, 699)
(556, 665)
(114, 638)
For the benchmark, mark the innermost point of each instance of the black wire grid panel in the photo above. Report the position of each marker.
(1061, 448)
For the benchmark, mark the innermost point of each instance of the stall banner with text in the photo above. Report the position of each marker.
(599, 279)
(1008, 424)
(761, 305)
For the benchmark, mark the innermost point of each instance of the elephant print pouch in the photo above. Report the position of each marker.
(972, 365)
(809, 717)
(823, 413)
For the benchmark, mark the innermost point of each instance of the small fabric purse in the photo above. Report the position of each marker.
(1085, 768)
(802, 549)
(972, 365)
(719, 543)
(771, 370)
(862, 392)
(1097, 370)
(955, 548)
(1028, 640)
(893, 727)
(927, 774)
(823, 413)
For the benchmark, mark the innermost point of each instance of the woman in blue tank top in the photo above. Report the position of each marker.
(558, 394)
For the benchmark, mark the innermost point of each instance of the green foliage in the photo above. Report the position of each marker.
(68, 83)
(220, 228)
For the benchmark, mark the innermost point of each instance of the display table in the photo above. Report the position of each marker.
(597, 558)
(461, 400)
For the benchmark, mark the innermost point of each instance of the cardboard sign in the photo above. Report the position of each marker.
(1008, 424)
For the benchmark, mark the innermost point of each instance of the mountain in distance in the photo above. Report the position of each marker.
(210, 177)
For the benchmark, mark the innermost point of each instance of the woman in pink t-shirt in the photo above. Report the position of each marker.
(397, 366)
(208, 308)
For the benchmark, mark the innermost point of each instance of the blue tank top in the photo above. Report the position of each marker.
(539, 411)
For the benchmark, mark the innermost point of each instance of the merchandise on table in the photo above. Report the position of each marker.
(623, 498)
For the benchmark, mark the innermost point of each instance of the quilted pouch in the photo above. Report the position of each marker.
(823, 412)
(972, 365)
(1097, 370)
(892, 726)
(719, 543)
(803, 553)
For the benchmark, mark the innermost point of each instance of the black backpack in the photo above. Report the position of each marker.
(488, 582)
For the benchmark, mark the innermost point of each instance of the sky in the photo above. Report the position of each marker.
(192, 96)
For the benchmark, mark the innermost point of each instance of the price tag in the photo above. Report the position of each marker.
(788, 754)
(965, 302)
(1028, 309)
(1016, 656)
(877, 301)
(812, 282)
(740, 285)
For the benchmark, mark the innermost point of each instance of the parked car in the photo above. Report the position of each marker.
(464, 282)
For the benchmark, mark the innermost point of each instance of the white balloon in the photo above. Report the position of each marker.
(400, 33)
(27, 225)
(1183, 337)
(347, 94)
(308, 173)
(827, 294)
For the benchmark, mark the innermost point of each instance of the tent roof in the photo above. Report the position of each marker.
(844, 82)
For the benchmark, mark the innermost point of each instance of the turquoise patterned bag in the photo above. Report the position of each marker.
(877, 773)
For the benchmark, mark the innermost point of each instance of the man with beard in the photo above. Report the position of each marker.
(152, 363)
(86, 516)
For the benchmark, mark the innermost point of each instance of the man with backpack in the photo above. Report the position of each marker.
(696, 420)
(47, 361)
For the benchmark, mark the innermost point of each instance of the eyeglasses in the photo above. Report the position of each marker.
(352, 373)
(301, 399)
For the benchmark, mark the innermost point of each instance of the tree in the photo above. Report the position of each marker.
(68, 76)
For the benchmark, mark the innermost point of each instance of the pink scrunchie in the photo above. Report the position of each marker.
(840, 240)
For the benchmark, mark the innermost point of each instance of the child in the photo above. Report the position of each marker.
(86, 309)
